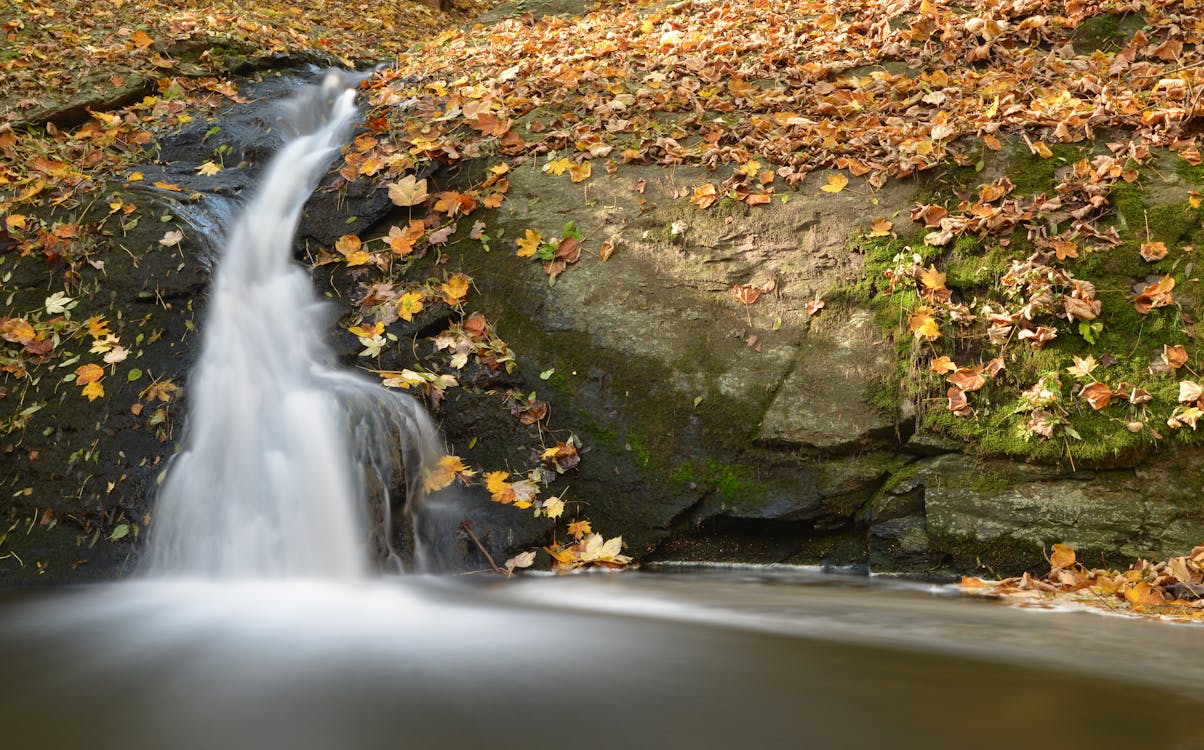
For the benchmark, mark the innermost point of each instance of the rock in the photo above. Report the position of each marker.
(1002, 515)
(826, 401)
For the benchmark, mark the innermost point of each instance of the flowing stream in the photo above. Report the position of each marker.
(256, 624)
(281, 446)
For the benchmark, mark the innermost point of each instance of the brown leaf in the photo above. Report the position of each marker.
(746, 293)
(958, 404)
(1097, 394)
(1152, 252)
(968, 379)
(1174, 356)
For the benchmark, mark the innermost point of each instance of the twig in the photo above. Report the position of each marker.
(466, 527)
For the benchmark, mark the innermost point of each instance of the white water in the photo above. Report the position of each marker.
(282, 447)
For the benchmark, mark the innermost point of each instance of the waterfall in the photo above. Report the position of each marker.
(284, 453)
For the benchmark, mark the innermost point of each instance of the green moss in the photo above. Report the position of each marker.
(1106, 33)
(733, 481)
(1032, 173)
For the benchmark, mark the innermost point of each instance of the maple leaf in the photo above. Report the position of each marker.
(1155, 295)
(1064, 249)
(1082, 367)
(446, 471)
(553, 507)
(923, 325)
(881, 228)
(58, 303)
(172, 238)
(98, 327)
(104, 344)
(1185, 416)
(942, 365)
(835, 183)
(1142, 593)
(209, 168)
(529, 244)
(17, 330)
(361, 331)
(499, 489)
(116, 354)
(932, 279)
(409, 305)
(93, 390)
(455, 289)
(579, 529)
(522, 560)
(89, 373)
(408, 191)
(441, 236)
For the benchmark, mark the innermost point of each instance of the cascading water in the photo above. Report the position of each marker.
(281, 447)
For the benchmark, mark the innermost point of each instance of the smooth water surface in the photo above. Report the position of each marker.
(731, 660)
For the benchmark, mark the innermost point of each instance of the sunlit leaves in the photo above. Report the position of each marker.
(409, 305)
(834, 183)
(455, 289)
(529, 244)
(408, 191)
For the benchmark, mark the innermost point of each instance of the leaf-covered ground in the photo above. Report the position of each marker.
(1043, 291)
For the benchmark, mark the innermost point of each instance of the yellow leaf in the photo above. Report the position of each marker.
(136, 177)
(1061, 556)
(495, 482)
(209, 168)
(1039, 148)
(580, 172)
(553, 507)
(409, 305)
(881, 228)
(923, 325)
(558, 167)
(367, 332)
(94, 390)
(98, 327)
(15, 221)
(836, 182)
(529, 244)
(933, 279)
(455, 289)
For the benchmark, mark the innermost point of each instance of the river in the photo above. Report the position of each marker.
(734, 658)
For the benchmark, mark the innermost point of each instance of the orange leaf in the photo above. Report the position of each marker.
(1061, 556)
(746, 293)
(89, 373)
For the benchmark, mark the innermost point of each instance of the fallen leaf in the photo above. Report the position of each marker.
(1152, 252)
(746, 293)
(835, 183)
(172, 238)
(1061, 556)
(1097, 394)
(408, 191)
